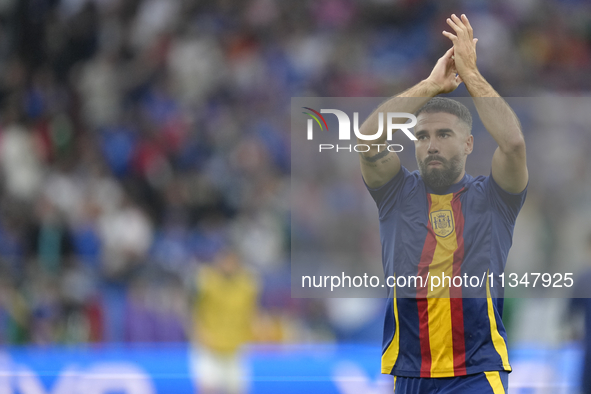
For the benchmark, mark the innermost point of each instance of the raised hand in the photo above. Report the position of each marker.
(444, 75)
(464, 45)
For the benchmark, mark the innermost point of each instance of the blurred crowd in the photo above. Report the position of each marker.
(140, 137)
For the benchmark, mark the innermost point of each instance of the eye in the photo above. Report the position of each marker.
(445, 135)
(422, 137)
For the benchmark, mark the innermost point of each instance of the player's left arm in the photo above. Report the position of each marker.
(509, 168)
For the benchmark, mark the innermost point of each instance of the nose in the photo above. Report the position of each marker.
(432, 147)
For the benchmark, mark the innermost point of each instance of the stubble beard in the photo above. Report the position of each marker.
(440, 178)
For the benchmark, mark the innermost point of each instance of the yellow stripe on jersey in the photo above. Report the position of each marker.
(494, 379)
(391, 354)
(438, 301)
(497, 339)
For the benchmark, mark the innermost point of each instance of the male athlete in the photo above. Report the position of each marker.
(440, 221)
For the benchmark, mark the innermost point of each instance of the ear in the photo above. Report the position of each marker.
(469, 144)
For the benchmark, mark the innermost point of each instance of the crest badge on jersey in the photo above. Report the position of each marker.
(442, 223)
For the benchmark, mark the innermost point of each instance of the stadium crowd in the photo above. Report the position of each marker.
(139, 137)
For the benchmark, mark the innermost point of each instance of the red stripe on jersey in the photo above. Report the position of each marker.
(456, 301)
(422, 291)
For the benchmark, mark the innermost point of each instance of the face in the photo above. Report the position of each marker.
(228, 262)
(443, 143)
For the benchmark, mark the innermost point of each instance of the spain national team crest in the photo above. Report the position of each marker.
(442, 222)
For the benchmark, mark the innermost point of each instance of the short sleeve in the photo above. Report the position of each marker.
(387, 195)
(505, 203)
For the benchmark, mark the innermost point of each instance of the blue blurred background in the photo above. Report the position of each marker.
(140, 137)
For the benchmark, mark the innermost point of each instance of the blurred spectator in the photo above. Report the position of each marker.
(155, 312)
(223, 320)
(20, 163)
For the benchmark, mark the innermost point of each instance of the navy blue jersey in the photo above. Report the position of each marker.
(464, 232)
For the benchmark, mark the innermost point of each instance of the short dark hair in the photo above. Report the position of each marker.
(447, 105)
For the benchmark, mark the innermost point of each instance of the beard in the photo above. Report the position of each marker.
(440, 178)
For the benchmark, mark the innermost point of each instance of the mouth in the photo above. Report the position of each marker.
(434, 163)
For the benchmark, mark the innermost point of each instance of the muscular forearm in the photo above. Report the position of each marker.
(496, 115)
(408, 101)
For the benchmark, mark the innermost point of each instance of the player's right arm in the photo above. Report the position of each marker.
(378, 165)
